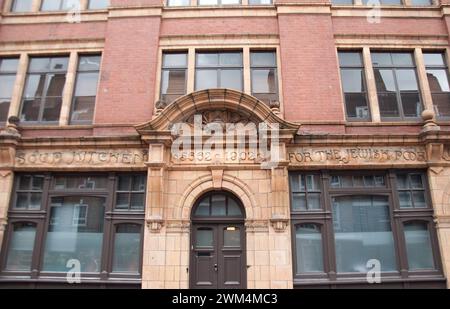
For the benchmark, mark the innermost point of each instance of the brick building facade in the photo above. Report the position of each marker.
(88, 180)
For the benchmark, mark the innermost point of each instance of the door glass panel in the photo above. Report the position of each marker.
(362, 232)
(20, 251)
(204, 237)
(75, 232)
(231, 236)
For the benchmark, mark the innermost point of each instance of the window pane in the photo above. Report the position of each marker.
(80, 182)
(137, 201)
(350, 59)
(388, 105)
(362, 232)
(352, 80)
(406, 80)
(312, 183)
(309, 248)
(178, 2)
(124, 183)
(55, 85)
(258, 2)
(4, 109)
(421, 2)
(30, 110)
(98, 4)
(230, 59)
(313, 201)
(356, 105)
(35, 201)
(127, 248)
(416, 181)
(6, 85)
(34, 86)
(402, 58)
(438, 80)
(298, 182)
(381, 59)
(402, 181)
(411, 104)
(418, 246)
(441, 103)
(218, 205)
(20, 250)
(264, 81)
(342, 2)
(22, 6)
(72, 235)
(208, 2)
(175, 60)
(385, 80)
(83, 109)
(9, 65)
(203, 208)
(206, 79)
(52, 109)
(204, 237)
(434, 59)
(51, 5)
(419, 199)
(122, 201)
(263, 59)
(86, 85)
(22, 201)
(405, 199)
(138, 183)
(230, 1)
(173, 81)
(39, 64)
(89, 63)
(59, 63)
(233, 209)
(207, 59)
(231, 236)
(231, 79)
(298, 201)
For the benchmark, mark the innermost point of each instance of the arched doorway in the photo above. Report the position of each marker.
(218, 243)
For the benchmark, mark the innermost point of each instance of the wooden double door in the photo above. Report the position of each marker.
(217, 258)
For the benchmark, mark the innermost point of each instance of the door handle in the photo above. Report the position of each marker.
(216, 268)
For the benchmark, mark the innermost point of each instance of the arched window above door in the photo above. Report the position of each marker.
(218, 205)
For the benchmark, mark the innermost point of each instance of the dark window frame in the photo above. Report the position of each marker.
(43, 98)
(74, 97)
(364, 81)
(276, 94)
(165, 68)
(9, 73)
(41, 218)
(218, 68)
(398, 216)
(444, 67)
(394, 68)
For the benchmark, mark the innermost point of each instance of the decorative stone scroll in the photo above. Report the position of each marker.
(82, 158)
(357, 155)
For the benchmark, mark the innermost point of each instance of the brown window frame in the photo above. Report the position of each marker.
(41, 218)
(323, 218)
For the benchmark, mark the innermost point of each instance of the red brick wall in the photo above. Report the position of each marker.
(55, 31)
(211, 26)
(311, 85)
(126, 89)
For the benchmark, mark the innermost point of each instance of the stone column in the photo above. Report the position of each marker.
(19, 85)
(191, 71)
(69, 89)
(423, 80)
(247, 74)
(154, 257)
(371, 86)
(84, 4)
(36, 5)
(280, 256)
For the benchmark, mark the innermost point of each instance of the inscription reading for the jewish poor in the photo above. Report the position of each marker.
(84, 157)
(349, 155)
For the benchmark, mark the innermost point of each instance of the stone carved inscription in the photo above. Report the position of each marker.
(358, 155)
(121, 157)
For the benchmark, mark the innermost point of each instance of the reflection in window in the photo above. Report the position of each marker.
(80, 183)
(219, 205)
(397, 87)
(204, 237)
(127, 248)
(178, 2)
(362, 232)
(173, 79)
(264, 76)
(20, 251)
(309, 248)
(74, 233)
(357, 181)
(418, 246)
(44, 87)
(21, 6)
(354, 86)
(219, 70)
(8, 69)
(60, 5)
(231, 236)
(85, 89)
(438, 79)
(98, 4)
